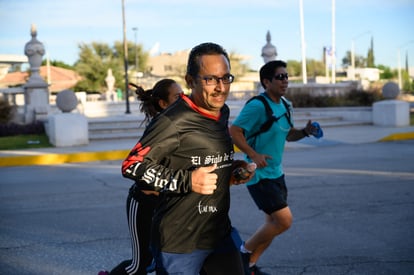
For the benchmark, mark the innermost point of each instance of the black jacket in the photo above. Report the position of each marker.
(178, 141)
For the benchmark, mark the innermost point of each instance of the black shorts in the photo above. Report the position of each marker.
(269, 195)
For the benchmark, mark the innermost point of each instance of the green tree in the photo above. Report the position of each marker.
(360, 61)
(370, 55)
(407, 82)
(94, 61)
(132, 52)
(386, 72)
(294, 68)
(58, 63)
(314, 68)
(96, 58)
(238, 65)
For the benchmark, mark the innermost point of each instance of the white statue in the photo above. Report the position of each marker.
(269, 52)
(110, 83)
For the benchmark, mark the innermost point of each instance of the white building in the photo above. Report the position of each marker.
(370, 74)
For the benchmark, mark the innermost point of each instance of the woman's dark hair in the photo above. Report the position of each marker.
(208, 48)
(267, 71)
(150, 98)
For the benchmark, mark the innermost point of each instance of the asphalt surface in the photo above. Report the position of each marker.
(351, 194)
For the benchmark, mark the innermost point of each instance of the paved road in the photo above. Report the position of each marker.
(353, 207)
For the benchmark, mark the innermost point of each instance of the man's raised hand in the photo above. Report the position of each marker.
(203, 180)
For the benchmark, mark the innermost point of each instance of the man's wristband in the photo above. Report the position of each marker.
(304, 133)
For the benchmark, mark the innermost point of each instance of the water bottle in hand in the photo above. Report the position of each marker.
(317, 132)
(243, 171)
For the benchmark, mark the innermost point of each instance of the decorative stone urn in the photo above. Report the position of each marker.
(36, 93)
(34, 50)
(67, 128)
(391, 112)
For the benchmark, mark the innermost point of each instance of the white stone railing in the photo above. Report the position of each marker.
(14, 96)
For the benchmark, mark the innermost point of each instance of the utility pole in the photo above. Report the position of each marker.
(353, 53)
(125, 60)
(399, 69)
(302, 32)
(333, 44)
(135, 29)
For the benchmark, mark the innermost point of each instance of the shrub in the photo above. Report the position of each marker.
(13, 129)
(363, 98)
(6, 111)
(353, 98)
(8, 128)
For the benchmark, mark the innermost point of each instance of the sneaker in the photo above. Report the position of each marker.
(103, 272)
(246, 260)
(255, 270)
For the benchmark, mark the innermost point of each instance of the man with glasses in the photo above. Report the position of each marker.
(265, 148)
(186, 154)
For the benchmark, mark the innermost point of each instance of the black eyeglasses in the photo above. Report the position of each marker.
(214, 80)
(281, 77)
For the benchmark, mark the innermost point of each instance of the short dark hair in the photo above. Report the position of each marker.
(208, 48)
(267, 71)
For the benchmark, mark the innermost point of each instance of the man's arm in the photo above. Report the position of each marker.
(297, 134)
(145, 164)
(240, 141)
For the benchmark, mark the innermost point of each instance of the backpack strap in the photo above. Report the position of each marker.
(288, 111)
(269, 114)
(287, 107)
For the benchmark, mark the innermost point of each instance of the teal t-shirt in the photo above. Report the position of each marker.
(272, 142)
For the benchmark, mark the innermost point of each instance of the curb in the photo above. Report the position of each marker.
(398, 136)
(53, 159)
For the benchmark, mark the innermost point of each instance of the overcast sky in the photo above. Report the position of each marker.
(238, 25)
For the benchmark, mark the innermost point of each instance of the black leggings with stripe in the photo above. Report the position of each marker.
(140, 209)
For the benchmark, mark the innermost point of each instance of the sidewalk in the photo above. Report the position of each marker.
(118, 149)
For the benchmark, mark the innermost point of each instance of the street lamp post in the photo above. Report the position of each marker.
(353, 53)
(399, 69)
(333, 44)
(302, 32)
(127, 111)
(135, 29)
